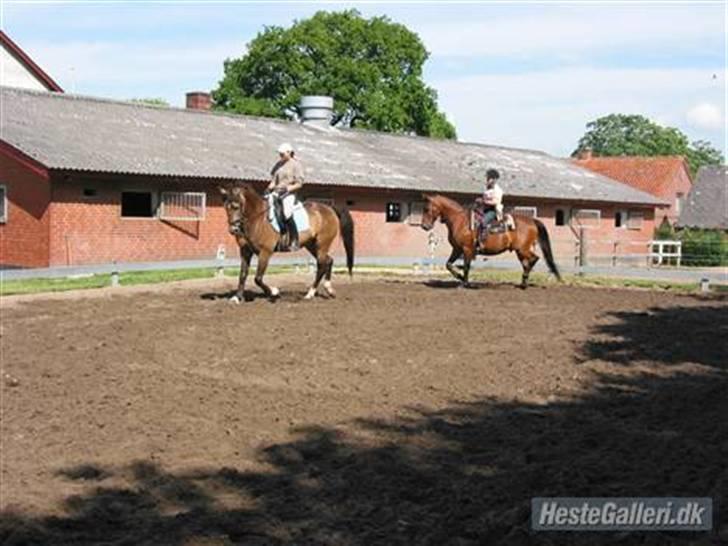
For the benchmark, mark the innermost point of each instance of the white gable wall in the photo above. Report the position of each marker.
(14, 74)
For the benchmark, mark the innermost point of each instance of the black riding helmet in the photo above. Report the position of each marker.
(492, 174)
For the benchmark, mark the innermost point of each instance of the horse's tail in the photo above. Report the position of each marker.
(347, 235)
(545, 244)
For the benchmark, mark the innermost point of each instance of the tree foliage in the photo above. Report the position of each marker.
(633, 135)
(372, 68)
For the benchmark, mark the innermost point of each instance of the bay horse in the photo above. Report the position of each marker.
(247, 214)
(464, 241)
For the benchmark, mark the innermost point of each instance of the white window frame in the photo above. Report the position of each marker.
(155, 204)
(4, 217)
(575, 218)
(182, 194)
(531, 212)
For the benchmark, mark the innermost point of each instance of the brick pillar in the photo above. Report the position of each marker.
(199, 100)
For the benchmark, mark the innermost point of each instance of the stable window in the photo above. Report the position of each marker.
(182, 205)
(587, 218)
(137, 204)
(3, 204)
(619, 219)
(560, 218)
(89, 193)
(531, 212)
(394, 212)
(635, 219)
(416, 209)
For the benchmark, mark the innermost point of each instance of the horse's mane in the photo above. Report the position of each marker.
(448, 203)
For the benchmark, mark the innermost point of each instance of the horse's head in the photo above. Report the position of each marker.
(233, 199)
(430, 213)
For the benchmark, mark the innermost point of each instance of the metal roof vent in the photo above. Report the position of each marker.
(317, 110)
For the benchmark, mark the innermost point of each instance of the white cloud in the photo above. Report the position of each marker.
(549, 110)
(705, 116)
(573, 33)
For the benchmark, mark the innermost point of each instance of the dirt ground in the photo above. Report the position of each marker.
(402, 412)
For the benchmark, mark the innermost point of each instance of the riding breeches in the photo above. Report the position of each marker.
(288, 202)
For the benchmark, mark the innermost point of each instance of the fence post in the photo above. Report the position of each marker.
(582, 249)
(614, 254)
(115, 275)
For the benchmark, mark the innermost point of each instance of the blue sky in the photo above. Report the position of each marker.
(524, 75)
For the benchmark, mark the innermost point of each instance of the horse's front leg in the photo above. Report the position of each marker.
(270, 291)
(245, 256)
(450, 265)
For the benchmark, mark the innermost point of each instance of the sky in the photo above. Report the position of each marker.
(521, 74)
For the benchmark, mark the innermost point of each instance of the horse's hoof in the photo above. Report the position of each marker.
(310, 294)
(274, 292)
(234, 299)
(329, 289)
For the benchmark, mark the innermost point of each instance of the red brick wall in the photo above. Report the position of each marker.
(678, 183)
(91, 230)
(24, 236)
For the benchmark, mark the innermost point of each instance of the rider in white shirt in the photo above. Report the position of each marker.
(492, 199)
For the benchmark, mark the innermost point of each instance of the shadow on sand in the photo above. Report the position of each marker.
(652, 423)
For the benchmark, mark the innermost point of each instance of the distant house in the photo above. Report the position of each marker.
(19, 70)
(666, 177)
(87, 180)
(707, 204)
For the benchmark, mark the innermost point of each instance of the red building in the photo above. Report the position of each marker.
(89, 180)
(665, 177)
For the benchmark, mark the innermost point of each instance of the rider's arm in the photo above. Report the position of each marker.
(297, 183)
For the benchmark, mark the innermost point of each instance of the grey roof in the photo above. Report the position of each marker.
(706, 206)
(71, 132)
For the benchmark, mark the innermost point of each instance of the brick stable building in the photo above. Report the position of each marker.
(89, 180)
(665, 177)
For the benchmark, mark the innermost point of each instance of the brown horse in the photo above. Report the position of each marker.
(464, 240)
(247, 214)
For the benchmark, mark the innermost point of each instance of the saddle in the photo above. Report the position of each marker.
(288, 229)
(498, 226)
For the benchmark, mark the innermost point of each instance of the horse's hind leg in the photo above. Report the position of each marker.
(327, 283)
(321, 269)
(528, 261)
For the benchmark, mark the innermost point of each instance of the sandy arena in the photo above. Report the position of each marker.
(402, 412)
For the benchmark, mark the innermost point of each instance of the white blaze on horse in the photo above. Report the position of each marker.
(248, 221)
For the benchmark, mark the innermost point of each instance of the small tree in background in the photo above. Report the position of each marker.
(371, 67)
(634, 135)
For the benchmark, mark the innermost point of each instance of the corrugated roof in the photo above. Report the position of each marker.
(71, 132)
(707, 204)
(648, 174)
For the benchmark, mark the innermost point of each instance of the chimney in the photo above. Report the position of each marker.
(199, 100)
(317, 110)
(586, 153)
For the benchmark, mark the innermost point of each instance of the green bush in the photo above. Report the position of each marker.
(704, 248)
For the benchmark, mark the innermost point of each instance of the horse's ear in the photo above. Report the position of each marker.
(223, 191)
(426, 196)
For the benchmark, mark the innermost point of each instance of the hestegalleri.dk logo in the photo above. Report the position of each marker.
(622, 514)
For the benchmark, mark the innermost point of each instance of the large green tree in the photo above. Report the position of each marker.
(372, 68)
(621, 134)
